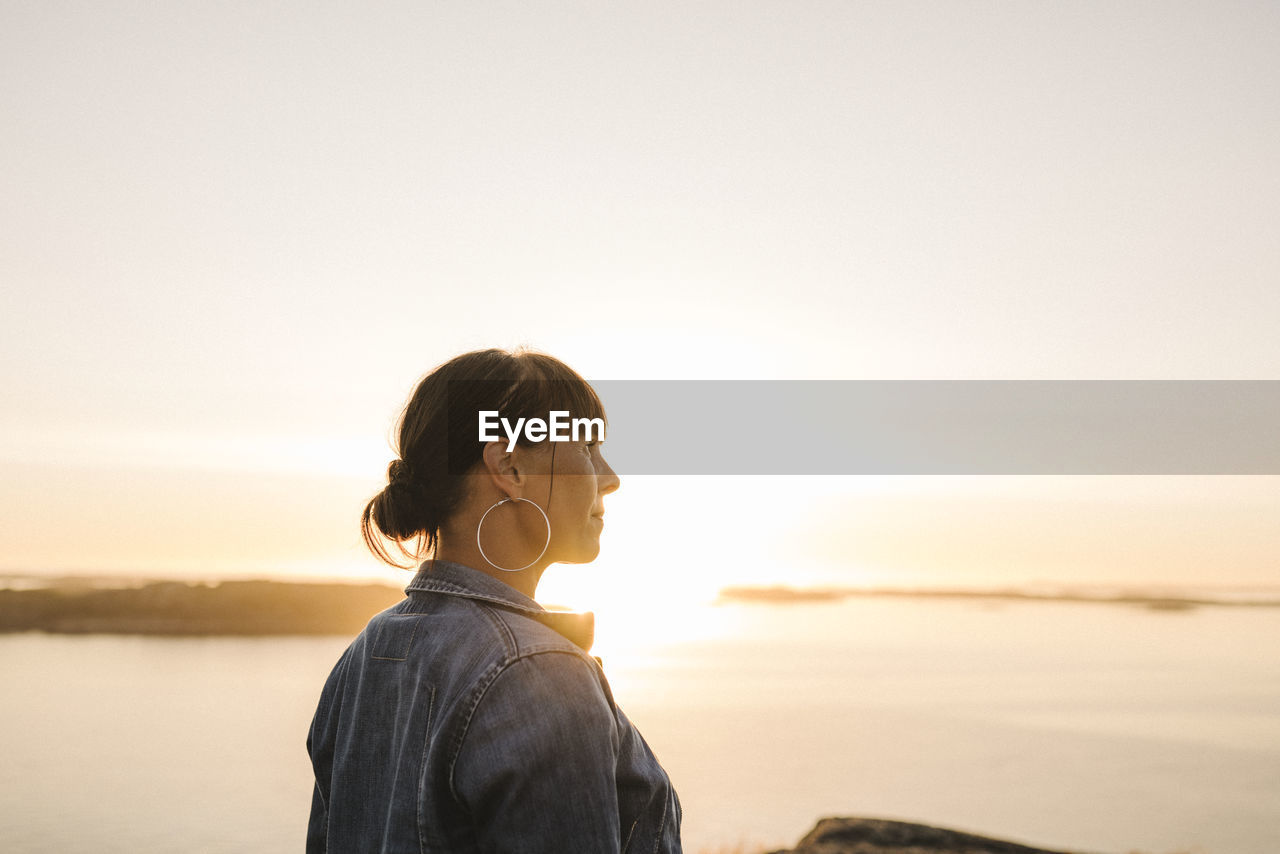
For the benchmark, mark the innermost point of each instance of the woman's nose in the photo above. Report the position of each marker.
(609, 480)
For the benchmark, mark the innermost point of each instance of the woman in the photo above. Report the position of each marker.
(467, 717)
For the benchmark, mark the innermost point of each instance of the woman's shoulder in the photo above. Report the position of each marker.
(550, 645)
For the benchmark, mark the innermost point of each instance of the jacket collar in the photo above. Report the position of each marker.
(455, 579)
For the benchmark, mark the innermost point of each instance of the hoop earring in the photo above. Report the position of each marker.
(530, 563)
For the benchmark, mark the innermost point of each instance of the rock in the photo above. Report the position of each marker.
(878, 836)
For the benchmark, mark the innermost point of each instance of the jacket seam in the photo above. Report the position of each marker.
(662, 823)
(413, 634)
(630, 833)
(422, 771)
(513, 647)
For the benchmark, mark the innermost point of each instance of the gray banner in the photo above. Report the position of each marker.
(997, 427)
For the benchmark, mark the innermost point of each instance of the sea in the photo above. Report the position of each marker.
(1081, 726)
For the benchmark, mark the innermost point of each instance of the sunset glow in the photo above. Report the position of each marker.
(235, 236)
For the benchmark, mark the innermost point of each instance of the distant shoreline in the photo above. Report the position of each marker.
(178, 608)
(778, 595)
(87, 605)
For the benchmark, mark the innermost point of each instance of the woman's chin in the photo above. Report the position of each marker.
(588, 552)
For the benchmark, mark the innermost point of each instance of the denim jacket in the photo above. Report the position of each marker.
(468, 718)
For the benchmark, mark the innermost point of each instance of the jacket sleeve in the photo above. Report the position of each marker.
(536, 767)
(320, 748)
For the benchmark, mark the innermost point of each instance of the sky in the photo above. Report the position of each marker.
(234, 235)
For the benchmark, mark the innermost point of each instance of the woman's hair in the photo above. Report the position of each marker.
(438, 439)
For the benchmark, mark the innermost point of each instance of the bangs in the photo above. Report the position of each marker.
(550, 384)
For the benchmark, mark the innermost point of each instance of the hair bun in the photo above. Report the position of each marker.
(412, 500)
(399, 472)
(403, 509)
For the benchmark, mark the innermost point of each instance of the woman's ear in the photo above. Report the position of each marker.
(501, 467)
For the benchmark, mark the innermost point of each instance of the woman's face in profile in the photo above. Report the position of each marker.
(582, 478)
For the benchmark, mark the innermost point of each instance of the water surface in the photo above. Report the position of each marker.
(1097, 727)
